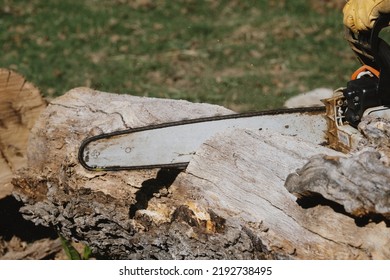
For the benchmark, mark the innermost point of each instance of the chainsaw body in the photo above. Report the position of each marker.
(368, 92)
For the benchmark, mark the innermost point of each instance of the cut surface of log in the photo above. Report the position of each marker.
(230, 202)
(20, 105)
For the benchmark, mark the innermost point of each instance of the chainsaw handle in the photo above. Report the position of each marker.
(382, 22)
(366, 44)
(382, 57)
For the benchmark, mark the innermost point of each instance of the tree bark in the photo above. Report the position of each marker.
(230, 202)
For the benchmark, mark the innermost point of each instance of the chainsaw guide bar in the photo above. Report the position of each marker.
(172, 145)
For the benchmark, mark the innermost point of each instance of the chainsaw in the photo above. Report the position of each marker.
(173, 144)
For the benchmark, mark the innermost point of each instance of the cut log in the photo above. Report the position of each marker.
(230, 202)
(20, 105)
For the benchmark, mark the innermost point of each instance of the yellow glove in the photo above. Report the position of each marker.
(360, 15)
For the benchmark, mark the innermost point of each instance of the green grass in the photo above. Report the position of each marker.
(245, 55)
(72, 253)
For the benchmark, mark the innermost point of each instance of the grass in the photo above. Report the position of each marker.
(72, 253)
(245, 55)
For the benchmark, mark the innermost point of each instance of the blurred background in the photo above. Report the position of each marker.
(244, 55)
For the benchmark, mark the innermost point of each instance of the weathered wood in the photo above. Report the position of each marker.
(359, 183)
(377, 135)
(99, 207)
(242, 181)
(230, 203)
(20, 105)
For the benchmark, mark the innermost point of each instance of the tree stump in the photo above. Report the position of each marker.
(20, 105)
(229, 203)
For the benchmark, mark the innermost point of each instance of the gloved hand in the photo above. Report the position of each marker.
(360, 15)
